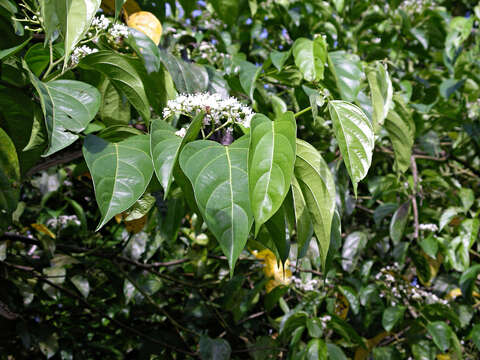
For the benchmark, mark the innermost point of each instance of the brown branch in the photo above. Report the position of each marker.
(54, 160)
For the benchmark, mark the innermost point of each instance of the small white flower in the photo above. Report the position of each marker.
(181, 132)
(428, 227)
(101, 22)
(80, 52)
(217, 109)
(119, 31)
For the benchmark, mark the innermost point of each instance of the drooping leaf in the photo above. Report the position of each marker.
(120, 171)
(355, 137)
(276, 227)
(68, 106)
(448, 215)
(166, 146)
(51, 19)
(391, 316)
(381, 92)
(348, 74)
(219, 178)
(401, 131)
(189, 78)
(123, 75)
(9, 179)
(271, 159)
(399, 221)
(145, 48)
(75, 17)
(310, 57)
(352, 248)
(318, 189)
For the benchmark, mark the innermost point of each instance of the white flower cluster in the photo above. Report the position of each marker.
(473, 109)
(182, 132)
(118, 31)
(401, 291)
(63, 221)
(309, 285)
(100, 23)
(80, 52)
(218, 110)
(428, 227)
(208, 51)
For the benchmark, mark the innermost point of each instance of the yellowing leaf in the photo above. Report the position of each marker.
(341, 306)
(43, 229)
(434, 265)
(135, 226)
(453, 294)
(147, 23)
(443, 357)
(274, 270)
(130, 7)
(362, 353)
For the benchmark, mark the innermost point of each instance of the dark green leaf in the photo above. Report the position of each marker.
(271, 159)
(121, 172)
(399, 222)
(5, 53)
(352, 248)
(440, 333)
(316, 350)
(355, 137)
(348, 74)
(391, 316)
(9, 179)
(214, 349)
(145, 48)
(219, 178)
(227, 10)
(467, 280)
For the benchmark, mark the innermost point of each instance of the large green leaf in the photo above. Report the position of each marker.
(121, 71)
(399, 222)
(271, 158)
(9, 179)
(381, 92)
(219, 178)
(303, 221)
(467, 280)
(189, 78)
(318, 189)
(391, 316)
(355, 137)
(114, 107)
(310, 57)
(401, 131)
(248, 75)
(276, 227)
(440, 332)
(118, 7)
(121, 172)
(352, 249)
(145, 48)
(347, 71)
(316, 350)
(51, 19)
(75, 17)
(166, 146)
(68, 106)
(5, 53)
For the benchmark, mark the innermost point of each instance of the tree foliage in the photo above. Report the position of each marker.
(294, 179)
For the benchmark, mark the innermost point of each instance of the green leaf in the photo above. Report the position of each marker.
(459, 29)
(121, 172)
(118, 7)
(279, 58)
(352, 298)
(381, 92)
(291, 321)
(382, 211)
(248, 75)
(474, 335)
(219, 178)
(271, 158)
(166, 146)
(316, 350)
(450, 86)
(448, 216)
(440, 333)
(114, 107)
(81, 284)
(277, 228)
(355, 137)
(75, 17)
(391, 316)
(227, 10)
(68, 106)
(51, 18)
(303, 220)
(310, 57)
(352, 249)
(467, 280)
(189, 78)
(467, 197)
(5, 53)
(314, 327)
(401, 131)
(120, 70)
(145, 48)
(335, 352)
(318, 189)
(9, 179)
(399, 221)
(347, 71)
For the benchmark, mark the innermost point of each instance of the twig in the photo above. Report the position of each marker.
(253, 316)
(306, 270)
(56, 160)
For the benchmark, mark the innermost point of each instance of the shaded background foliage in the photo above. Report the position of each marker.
(401, 275)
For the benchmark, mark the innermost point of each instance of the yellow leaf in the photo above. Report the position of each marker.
(434, 265)
(453, 294)
(147, 23)
(130, 7)
(44, 230)
(362, 354)
(119, 218)
(274, 270)
(341, 306)
(135, 226)
(443, 357)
